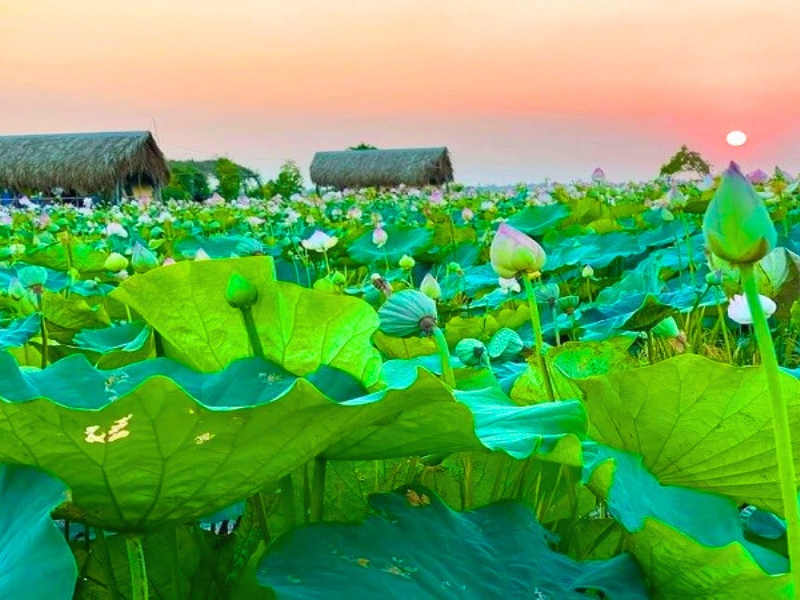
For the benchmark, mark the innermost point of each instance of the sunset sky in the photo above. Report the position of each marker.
(519, 90)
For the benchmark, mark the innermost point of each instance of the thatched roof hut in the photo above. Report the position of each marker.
(85, 163)
(377, 168)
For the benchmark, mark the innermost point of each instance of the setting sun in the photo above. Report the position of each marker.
(736, 138)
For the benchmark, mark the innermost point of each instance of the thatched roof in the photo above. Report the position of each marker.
(84, 162)
(375, 168)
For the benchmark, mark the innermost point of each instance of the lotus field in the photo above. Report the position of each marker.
(553, 392)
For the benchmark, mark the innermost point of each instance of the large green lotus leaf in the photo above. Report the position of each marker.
(690, 543)
(537, 220)
(299, 328)
(401, 240)
(481, 419)
(696, 423)
(416, 547)
(35, 560)
(83, 257)
(156, 442)
(17, 333)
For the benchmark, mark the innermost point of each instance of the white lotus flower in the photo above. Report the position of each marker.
(320, 241)
(739, 311)
(508, 285)
(116, 229)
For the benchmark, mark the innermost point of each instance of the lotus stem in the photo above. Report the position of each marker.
(555, 325)
(536, 323)
(780, 417)
(444, 355)
(261, 516)
(318, 489)
(139, 589)
(45, 336)
(724, 328)
(252, 332)
(287, 493)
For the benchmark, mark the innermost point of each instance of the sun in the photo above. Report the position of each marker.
(736, 138)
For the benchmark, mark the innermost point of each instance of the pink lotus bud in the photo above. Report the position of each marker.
(513, 253)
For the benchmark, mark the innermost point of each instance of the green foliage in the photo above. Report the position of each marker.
(229, 175)
(363, 146)
(685, 160)
(186, 182)
(288, 183)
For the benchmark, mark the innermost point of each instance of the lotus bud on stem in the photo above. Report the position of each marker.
(738, 228)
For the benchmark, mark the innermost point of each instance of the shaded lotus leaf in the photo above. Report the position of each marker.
(180, 564)
(649, 314)
(479, 328)
(401, 240)
(185, 303)
(416, 547)
(156, 442)
(690, 544)
(35, 560)
(16, 333)
(410, 347)
(116, 346)
(73, 313)
(481, 419)
(696, 423)
(584, 359)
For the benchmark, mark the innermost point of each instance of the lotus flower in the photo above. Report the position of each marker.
(598, 175)
(508, 285)
(116, 229)
(737, 226)
(757, 177)
(467, 214)
(513, 253)
(116, 262)
(320, 241)
(739, 311)
(379, 237)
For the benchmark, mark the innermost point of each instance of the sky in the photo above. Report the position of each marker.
(518, 90)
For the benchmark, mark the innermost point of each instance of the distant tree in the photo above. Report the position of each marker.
(186, 182)
(686, 160)
(288, 182)
(230, 178)
(363, 146)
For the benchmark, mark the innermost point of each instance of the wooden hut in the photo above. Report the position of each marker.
(382, 168)
(109, 165)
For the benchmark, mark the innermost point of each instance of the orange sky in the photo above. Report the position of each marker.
(518, 89)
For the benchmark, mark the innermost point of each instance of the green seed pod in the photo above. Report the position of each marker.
(505, 344)
(568, 304)
(471, 352)
(240, 293)
(737, 226)
(33, 278)
(407, 313)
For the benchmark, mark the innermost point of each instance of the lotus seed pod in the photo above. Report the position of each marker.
(737, 226)
(407, 313)
(249, 247)
(471, 352)
(116, 262)
(568, 304)
(514, 254)
(548, 294)
(505, 344)
(240, 293)
(33, 278)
